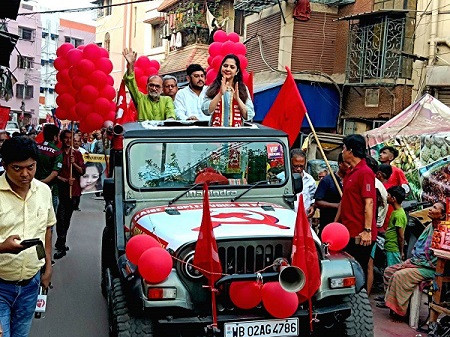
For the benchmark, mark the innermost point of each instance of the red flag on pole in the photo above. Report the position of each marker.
(123, 114)
(304, 256)
(288, 110)
(206, 254)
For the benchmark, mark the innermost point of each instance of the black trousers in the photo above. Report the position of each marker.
(63, 216)
(360, 253)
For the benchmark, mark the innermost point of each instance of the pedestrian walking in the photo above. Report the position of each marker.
(69, 191)
(26, 212)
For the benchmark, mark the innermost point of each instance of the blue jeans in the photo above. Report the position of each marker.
(17, 304)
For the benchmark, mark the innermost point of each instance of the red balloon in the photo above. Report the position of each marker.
(243, 60)
(103, 52)
(98, 78)
(142, 81)
(215, 48)
(112, 106)
(79, 82)
(151, 71)
(139, 244)
(74, 56)
(143, 62)
(81, 47)
(210, 59)
(61, 88)
(83, 109)
(111, 116)
(216, 62)
(93, 122)
(233, 37)
(240, 48)
(108, 92)
(277, 301)
(102, 106)
(245, 294)
(138, 72)
(155, 264)
(72, 114)
(65, 101)
(61, 63)
(63, 76)
(155, 64)
(92, 52)
(63, 49)
(73, 71)
(85, 67)
(227, 48)
(245, 76)
(104, 64)
(110, 80)
(88, 94)
(220, 36)
(211, 76)
(61, 113)
(336, 235)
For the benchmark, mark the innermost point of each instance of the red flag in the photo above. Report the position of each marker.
(304, 253)
(250, 84)
(123, 114)
(206, 253)
(304, 256)
(288, 110)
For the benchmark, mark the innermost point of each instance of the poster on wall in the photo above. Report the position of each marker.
(92, 180)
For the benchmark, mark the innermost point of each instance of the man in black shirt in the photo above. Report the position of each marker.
(327, 197)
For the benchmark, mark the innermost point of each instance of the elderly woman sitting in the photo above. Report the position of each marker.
(401, 279)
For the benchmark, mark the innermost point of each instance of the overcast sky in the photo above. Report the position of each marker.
(86, 17)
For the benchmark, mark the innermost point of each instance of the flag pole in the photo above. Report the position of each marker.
(333, 176)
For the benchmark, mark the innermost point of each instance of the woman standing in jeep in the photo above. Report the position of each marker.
(227, 99)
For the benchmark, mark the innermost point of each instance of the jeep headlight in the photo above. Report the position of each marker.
(188, 267)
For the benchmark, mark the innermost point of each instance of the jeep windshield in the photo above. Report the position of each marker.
(180, 165)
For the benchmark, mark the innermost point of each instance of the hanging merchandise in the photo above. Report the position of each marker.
(302, 10)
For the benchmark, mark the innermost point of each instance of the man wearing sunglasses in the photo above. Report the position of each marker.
(152, 106)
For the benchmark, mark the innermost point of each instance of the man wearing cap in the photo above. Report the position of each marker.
(189, 100)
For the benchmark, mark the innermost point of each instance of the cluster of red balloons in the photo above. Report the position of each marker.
(154, 263)
(336, 235)
(223, 45)
(278, 302)
(143, 68)
(84, 87)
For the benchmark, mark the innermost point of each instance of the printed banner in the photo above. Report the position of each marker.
(92, 180)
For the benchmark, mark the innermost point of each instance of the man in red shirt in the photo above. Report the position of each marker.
(357, 208)
(397, 178)
(67, 201)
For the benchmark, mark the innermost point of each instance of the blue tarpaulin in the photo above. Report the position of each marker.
(321, 100)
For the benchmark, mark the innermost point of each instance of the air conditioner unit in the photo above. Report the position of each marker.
(372, 98)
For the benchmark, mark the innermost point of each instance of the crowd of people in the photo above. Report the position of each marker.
(371, 205)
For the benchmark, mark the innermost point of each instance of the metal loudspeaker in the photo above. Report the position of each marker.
(292, 279)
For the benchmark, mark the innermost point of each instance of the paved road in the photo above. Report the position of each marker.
(76, 307)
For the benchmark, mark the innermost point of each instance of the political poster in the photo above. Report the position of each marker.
(92, 180)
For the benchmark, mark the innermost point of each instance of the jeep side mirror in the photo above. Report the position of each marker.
(298, 182)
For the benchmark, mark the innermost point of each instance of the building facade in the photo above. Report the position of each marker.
(25, 63)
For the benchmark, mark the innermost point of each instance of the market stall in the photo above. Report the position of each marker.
(421, 134)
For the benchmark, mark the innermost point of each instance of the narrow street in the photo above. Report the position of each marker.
(76, 307)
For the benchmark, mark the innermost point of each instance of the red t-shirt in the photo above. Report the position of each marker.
(359, 184)
(65, 173)
(397, 178)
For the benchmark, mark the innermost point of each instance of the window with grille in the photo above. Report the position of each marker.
(157, 35)
(76, 42)
(28, 91)
(24, 62)
(27, 33)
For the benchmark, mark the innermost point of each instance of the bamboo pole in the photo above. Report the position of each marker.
(70, 160)
(333, 176)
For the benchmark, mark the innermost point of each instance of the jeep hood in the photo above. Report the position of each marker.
(177, 225)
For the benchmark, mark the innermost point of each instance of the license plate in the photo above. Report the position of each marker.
(270, 328)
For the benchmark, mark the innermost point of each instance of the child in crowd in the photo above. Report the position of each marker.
(395, 233)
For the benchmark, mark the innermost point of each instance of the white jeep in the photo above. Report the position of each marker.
(154, 190)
